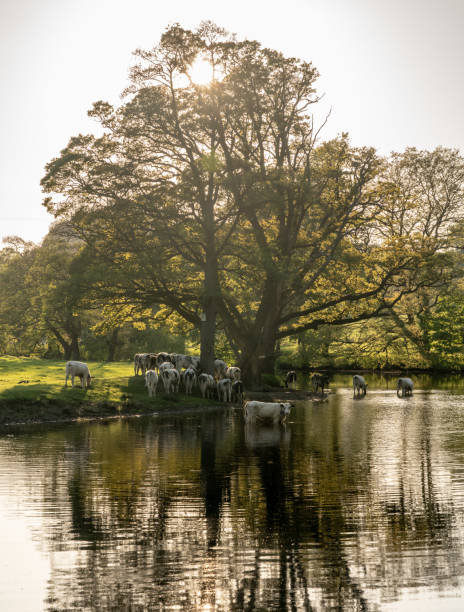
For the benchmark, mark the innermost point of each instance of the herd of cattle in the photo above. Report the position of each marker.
(404, 385)
(173, 369)
(226, 383)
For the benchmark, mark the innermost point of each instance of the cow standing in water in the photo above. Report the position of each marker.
(359, 385)
(319, 381)
(290, 379)
(276, 412)
(405, 385)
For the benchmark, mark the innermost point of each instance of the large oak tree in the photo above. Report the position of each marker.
(218, 203)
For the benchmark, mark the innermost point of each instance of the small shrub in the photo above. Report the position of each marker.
(270, 380)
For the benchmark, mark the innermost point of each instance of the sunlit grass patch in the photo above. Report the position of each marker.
(34, 390)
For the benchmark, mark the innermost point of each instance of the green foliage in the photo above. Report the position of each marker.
(444, 327)
(219, 202)
(270, 380)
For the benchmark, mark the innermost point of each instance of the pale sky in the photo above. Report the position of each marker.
(392, 71)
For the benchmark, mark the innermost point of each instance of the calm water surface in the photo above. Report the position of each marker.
(354, 505)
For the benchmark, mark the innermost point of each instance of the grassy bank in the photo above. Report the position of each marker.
(32, 390)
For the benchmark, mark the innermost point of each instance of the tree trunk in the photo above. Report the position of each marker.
(67, 349)
(259, 350)
(75, 350)
(208, 316)
(70, 349)
(249, 366)
(113, 344)
(258, 357)
(207, 336)
(210, 296)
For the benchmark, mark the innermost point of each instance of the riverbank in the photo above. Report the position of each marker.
(33, 391)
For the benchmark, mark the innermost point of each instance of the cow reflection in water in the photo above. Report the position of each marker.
(261, 436)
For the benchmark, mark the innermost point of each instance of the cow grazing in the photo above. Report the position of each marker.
(190, 380)
(80, 369)
(290, 378)
(319, 381)
(206, 384)
(405, 385)
(276, 412)
(237, 391)
(233, 373)
(359, 385)
(171, 380)
(224, 390)
(151, 382)
(220, 369)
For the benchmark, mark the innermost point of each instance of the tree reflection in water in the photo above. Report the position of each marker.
(344, 508)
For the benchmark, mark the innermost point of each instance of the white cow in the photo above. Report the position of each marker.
(78, 368)
(190, 380)
(137, 365)
(359, 385)
(141, 363)
(166, 365)
(220, 369)
(405, 385)
(264, 411)
(206, 384)
(233, 373)
(187, 361)
(171, 380)
(182, 361)
(151, 382)
(224, 390)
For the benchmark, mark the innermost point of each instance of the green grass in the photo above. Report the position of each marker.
(33, 390)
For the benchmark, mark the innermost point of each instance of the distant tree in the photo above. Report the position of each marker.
(59, 294)
(19, 314)
(41, 294)
(425, 204)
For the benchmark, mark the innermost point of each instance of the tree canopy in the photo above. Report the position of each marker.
(220, 204)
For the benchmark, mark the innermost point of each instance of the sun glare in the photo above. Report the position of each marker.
(201, 72)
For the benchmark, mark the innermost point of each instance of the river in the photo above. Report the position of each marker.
(353, 505)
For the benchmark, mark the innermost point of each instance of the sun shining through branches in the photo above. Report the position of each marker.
(203, 72)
